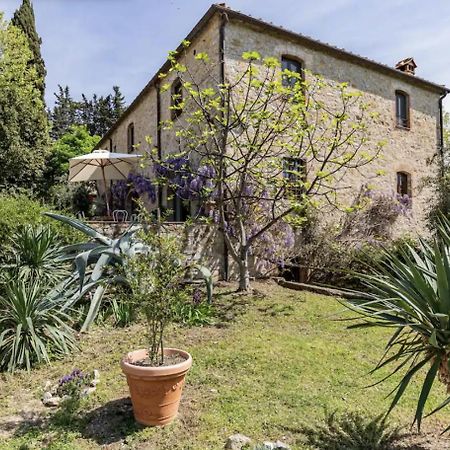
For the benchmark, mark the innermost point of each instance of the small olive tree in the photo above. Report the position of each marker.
(260, 148)
(156, 280)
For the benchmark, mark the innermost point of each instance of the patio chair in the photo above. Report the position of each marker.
(120, 215)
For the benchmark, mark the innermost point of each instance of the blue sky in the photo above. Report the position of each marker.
(92, 45)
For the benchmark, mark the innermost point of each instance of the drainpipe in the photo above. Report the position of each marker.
(441, 125)
(158, 139)
(223, 23)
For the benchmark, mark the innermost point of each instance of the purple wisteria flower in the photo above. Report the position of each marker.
(187, 183)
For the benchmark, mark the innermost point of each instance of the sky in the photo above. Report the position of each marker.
(91, 45)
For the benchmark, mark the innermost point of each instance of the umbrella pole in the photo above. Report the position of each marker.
(108, 212)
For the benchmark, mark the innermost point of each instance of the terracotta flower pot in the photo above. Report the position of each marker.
(155, 391)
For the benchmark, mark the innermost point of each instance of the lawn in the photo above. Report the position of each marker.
(272, 367)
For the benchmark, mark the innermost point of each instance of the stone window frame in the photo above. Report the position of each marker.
(294, 59)
(130, 137)
(176, 97)
(406, 125)
(407, 185)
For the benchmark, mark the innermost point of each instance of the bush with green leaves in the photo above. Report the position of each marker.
(333, 252)
(34, 326)
(410, 293)
(194, 310)
(20, 210)
(156, 278)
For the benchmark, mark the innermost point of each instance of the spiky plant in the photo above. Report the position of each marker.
(99, 263)
(36, 254)
(410, 293)
(33, 326)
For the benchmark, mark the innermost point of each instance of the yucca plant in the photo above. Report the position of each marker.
(99, 263)
(410, 293)
(36, 254)
(34, 327)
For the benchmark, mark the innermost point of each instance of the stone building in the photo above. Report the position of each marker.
(409, 107)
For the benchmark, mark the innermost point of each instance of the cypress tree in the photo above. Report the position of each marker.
(24, 20)
(24, 138)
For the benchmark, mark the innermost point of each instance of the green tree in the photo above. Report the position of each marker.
(118, 103)
(262, 147)
(98, 113)
(24, 20)
(64, 113)
(23, 120)
(76, 141)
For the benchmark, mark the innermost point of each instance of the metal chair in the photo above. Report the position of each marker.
(120, 215)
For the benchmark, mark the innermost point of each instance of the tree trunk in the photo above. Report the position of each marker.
(244, 273)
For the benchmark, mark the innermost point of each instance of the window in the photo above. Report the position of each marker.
(130, 137)
(110, 145)
(179, 208)
(176, 99)
(402, 109)
(403, 184)
(293, 66)
(294, 170)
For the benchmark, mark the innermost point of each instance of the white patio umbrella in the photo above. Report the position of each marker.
(101, 165)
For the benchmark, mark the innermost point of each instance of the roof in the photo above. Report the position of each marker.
(304, 40)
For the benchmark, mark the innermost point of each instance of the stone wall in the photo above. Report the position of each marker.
(144, 114)
(406, 150)
(202, 243)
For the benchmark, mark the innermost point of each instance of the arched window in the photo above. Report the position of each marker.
(403, 184)
(176, 99)
(402, 109)
(293, 65)
(130, 137)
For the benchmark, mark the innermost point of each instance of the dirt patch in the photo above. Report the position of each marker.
(169, 360)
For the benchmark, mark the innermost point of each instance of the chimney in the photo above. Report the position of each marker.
(407, 65)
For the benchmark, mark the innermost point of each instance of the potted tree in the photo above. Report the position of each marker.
(156, 374)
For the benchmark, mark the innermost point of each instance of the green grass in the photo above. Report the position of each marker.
(278, 366)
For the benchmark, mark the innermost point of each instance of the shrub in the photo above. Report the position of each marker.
(65, 196)
(156, 279)
(333, 253)
(352, 431)
(123, 313)
(193, 310)
(19, 210)
(33, 326)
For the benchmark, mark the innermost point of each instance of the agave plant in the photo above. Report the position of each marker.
(99, 264)
(33, 326)
(36, 254)
(410, 293)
